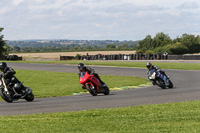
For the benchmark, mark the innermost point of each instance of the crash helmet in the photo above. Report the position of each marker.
(81, 66)
(149, 65)
(3, 65)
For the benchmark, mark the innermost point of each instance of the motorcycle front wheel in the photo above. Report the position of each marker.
(107, 91)
(29, 97)
(92, 91)
(161, 83)
(6, 97)
(170, 84)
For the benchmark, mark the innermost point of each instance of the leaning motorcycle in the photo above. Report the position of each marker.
(12, 92)
(92, 84)
(158, 79)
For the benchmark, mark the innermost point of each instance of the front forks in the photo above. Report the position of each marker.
(5, 87)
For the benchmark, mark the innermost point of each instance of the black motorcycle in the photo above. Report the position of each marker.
(158, 79)
(13, 91)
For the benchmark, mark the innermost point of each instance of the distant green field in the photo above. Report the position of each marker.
(163, 65)
(52, 84)
(170, 117)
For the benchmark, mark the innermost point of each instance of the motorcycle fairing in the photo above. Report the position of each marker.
(160, 75)
(89, 79)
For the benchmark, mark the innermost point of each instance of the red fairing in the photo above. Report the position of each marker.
(85, 78)
(90, 79)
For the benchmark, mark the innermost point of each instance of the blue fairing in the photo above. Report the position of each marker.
(160, 75)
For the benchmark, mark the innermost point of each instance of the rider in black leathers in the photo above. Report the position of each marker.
(151, 67)
(83, 68)
(8, 74)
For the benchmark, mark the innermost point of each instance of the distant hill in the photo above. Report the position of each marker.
(41, 43)
(69, 45)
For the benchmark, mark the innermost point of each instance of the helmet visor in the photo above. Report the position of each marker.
(80, 68)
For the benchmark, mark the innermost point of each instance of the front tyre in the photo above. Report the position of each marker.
(93, 92)
(6, 97)
(107, 91)
(29, 97)
(170, 84)
(161, 83)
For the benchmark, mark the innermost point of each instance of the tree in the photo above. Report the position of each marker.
(110, 46)
(145, 44)
(191, 42)
(3, 48)
(161, 39)
(163, 43)
(125, 45)
(176, 48)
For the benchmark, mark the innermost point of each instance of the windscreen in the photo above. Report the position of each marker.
(151, 72)
(82, 74)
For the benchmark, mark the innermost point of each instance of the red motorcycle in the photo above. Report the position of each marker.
(92, 84)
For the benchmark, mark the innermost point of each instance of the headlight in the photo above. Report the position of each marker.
(153, 75)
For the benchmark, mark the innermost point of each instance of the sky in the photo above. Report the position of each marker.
(98, 19)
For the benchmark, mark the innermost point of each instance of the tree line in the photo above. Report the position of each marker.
(185, 44)
(161, 43)
(31, 46)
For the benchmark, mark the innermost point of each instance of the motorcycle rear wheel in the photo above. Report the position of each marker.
(5, 97)
(29, 97)
(92, 92)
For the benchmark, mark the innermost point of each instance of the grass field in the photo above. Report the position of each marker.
(170, 117)
(52, 84)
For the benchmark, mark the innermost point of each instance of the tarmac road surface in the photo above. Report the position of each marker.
(186, 88)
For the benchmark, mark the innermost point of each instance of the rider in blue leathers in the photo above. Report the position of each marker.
(150, 67)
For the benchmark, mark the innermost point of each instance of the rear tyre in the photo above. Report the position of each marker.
(29, 97)
(6, 97)
(93, 92)
(170, 84)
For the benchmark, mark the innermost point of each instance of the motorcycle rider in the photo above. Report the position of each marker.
(8, 74)
(151, 67)
(83, 68)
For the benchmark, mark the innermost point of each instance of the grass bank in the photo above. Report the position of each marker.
(52, 84)
(163, 65)
(169, 117)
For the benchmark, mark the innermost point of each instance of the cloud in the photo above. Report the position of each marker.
(17, 2)
(94, 19)
(189, 5)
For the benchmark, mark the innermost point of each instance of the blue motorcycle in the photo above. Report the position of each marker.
(159, 79)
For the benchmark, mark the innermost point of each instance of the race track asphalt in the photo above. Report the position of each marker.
(186, 88)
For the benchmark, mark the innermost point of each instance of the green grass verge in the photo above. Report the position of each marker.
(169, 117)
(52, 84)
(163, 65)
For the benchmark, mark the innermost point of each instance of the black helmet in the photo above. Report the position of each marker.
(3, 65)
(81, 66)
(149, 65)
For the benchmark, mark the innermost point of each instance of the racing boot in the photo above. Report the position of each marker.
(83, 87)
(25, 90)
(103, 84)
